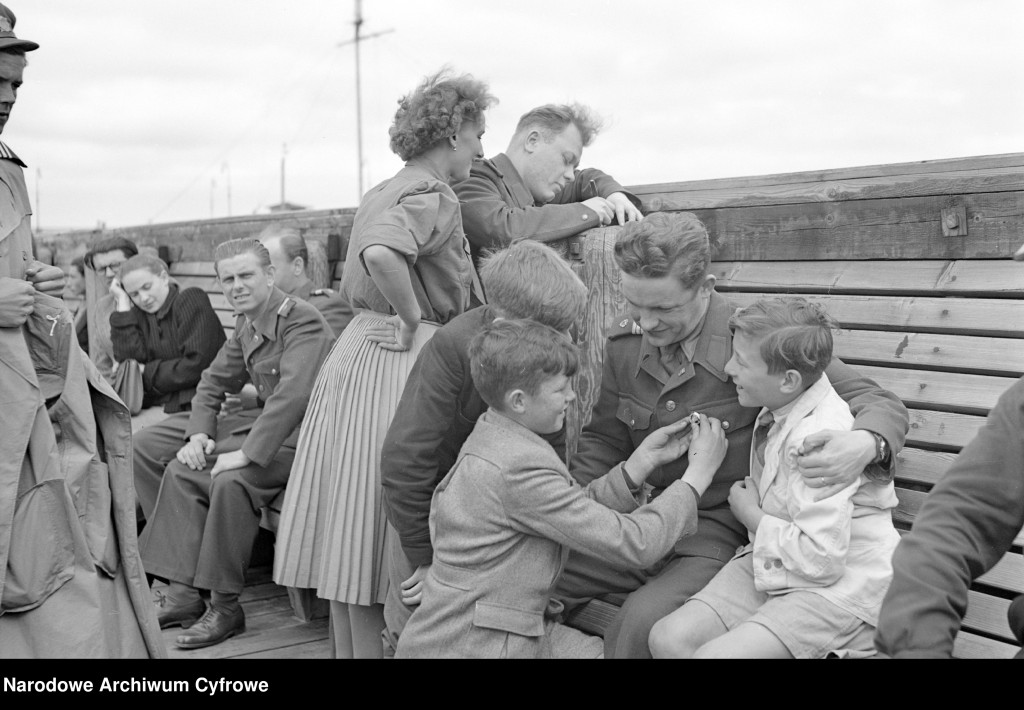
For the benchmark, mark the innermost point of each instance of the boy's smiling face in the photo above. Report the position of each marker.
(755, 386)
(544, 412)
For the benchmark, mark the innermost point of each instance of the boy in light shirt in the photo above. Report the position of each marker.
(812, 578)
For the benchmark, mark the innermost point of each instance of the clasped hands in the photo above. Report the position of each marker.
(199, 446)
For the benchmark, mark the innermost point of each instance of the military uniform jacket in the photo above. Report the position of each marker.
(497, 207)
(280, 352)
(331, 305)
(633, 402)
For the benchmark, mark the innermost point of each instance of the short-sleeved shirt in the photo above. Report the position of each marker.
(416, 214)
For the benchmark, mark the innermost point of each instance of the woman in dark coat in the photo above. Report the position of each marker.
(172, 333)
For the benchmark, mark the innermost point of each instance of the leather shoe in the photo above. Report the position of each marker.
(217, 625)
(183, 615)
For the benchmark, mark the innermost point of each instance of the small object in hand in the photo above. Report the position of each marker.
(593, 188)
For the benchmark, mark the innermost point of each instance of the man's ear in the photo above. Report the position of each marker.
(708, 284)
(298, 266)
(532, 140)
(515, 401)
(271, 271)
(792, 381)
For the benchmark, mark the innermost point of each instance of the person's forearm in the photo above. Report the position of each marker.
(390, 273)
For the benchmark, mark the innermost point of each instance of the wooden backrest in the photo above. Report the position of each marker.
(913, 261)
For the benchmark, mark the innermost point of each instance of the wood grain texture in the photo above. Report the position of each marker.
(751, 183)
(831, 190)
(993, 279)
(954, 353)
(994, 317)
(907, 228)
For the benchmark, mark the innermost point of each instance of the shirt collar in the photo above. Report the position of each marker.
(266, 322)
(800, 407)
(711, 340)
(423, 167)
(7, 154)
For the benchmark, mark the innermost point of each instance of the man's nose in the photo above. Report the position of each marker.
(646, 321)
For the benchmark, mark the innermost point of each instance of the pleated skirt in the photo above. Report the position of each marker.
(332, 534)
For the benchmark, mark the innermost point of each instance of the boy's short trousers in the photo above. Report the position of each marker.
(808, 624)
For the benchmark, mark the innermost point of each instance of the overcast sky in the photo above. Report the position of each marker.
(136, 112)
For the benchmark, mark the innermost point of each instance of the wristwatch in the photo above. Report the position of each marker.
(881, 448)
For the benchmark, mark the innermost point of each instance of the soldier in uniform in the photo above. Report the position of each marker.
(666, 363)
(204, 522)
(534, 191)
(290, 257)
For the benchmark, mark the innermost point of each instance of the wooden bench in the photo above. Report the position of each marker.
(913, 261)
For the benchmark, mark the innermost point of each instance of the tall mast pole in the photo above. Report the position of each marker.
(359, 99)
(359, 104)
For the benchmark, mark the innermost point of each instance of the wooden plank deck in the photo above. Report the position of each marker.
(271, 629)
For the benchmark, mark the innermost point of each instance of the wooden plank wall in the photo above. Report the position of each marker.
(932, 309)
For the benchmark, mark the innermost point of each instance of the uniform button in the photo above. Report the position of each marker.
(273, 371)
(670, 406)
(623, 324)
(262, 388)
(584, 217)
(767, 565)
(778, 563)
(632, 422)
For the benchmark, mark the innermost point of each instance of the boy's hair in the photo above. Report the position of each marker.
(663, 244)
(237, 247)
(518, 354)
(152, 264)
(795, 334)
(530, 280)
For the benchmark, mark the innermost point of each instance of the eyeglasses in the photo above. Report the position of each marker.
(110, 268)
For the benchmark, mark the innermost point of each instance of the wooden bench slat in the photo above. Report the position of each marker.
(957, 353)
(970, 646)
(945, 391)
(948, 430)
(987, 614)
(910, 504)
(924, 277)
(974, 316)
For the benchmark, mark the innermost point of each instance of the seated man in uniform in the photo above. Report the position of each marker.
(290, 257)
(201, 530)
(534, 189)
(667, 361)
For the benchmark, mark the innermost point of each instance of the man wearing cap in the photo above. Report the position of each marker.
(71, 580)
(534, 191)
(967, 523)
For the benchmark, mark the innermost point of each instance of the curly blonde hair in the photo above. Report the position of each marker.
(436, 110)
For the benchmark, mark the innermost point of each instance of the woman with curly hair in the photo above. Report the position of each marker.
(408, 272)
